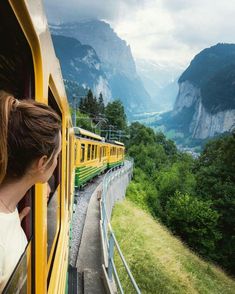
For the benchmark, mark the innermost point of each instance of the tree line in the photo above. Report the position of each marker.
(107, 120)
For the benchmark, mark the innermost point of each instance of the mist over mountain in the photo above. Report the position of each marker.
(161, 82)
(116, 62)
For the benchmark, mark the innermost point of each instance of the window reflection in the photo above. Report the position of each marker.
(18, 281)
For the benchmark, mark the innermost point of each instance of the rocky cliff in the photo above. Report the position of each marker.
(80, 67)
(203, 124)
(205, 104)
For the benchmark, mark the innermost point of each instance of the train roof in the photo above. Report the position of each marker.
(116, 143)
(84, 133)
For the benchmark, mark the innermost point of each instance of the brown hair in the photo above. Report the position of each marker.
(28, 130)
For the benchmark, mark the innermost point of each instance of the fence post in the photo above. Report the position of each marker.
(111, 253)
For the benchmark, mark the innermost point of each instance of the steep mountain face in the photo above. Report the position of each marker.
(205, 104)
(161, 82)
(116, 61)
(80, 65)
(213, 71)
(200, 123)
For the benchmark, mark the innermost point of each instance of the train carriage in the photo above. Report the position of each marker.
(116, 151)
(90, 156)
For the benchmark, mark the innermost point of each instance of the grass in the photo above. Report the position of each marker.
(161, 263)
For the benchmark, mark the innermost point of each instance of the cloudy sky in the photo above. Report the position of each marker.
(167, 31)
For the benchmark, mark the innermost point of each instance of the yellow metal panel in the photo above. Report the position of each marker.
(29, 268)
(60, 260)
(40, 239)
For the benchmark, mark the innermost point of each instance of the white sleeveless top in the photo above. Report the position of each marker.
(12, 244)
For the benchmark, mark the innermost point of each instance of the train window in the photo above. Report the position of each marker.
(82, 153)
(95, 151)
(100, 152)
(54, 199)
(18, 281)
(92, 152)
(89, 152)
(75, 152)
(16, 62)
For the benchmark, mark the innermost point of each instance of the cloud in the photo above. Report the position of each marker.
(164, 30)
(176, 30)
(71, 10)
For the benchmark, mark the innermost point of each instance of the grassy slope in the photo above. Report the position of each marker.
(160, 262)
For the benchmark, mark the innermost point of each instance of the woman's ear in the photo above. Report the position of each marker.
(42, 162)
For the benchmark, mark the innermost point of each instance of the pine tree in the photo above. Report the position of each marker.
(115, 115)
(82, 105)
(90, 102)
(101, 104)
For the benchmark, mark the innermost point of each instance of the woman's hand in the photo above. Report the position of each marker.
(25, 211)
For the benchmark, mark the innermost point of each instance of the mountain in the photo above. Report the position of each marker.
(212, 70)
(161, 82)
(205, 104)
(116, 61)
(81, 67)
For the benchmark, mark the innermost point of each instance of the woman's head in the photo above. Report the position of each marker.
(29, 132)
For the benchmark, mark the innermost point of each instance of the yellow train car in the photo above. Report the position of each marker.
(116, 153)
(91, 156)
(29, 68)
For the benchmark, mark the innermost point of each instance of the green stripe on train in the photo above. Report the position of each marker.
(85, 173)
(113, 164)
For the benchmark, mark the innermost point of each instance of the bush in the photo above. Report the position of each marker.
(195, 221)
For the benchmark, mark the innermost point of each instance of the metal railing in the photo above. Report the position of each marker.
(109, 241)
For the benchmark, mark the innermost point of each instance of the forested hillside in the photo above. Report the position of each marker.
(194, 198)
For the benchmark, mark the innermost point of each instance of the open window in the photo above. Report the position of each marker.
(95, 151)
(89, 152)
(82, 153)
(54, 197)
(17, 78)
